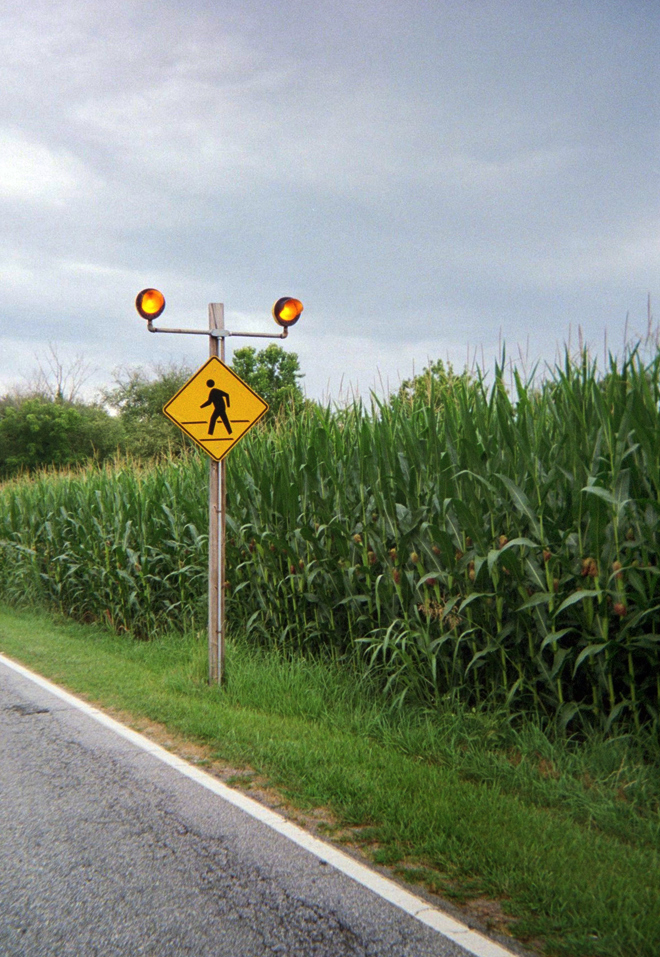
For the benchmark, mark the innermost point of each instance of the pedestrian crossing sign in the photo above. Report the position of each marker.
(215, 408)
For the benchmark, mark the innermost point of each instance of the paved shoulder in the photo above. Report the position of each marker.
(111, 846)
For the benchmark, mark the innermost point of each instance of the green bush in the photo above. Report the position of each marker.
(38, 432)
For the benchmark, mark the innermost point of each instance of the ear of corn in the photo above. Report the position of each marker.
(484, 546)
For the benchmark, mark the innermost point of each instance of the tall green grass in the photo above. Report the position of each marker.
(483, 544)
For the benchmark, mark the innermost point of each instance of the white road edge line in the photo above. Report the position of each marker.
(471, 940)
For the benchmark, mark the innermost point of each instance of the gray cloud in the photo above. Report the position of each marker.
(421, 176)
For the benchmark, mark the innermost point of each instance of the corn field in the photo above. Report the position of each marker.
(484, 544)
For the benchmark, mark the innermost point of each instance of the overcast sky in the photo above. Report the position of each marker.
(425, 176)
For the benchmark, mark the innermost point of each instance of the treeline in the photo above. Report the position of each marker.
(48, 424)
(461, 540)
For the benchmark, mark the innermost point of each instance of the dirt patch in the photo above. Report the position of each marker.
(489, 913)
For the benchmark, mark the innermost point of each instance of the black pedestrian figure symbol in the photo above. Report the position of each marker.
(217, 399)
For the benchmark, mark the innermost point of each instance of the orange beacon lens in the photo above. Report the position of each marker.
(286, 311)
(150, 303)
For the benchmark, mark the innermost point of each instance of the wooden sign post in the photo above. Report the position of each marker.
(217, 528)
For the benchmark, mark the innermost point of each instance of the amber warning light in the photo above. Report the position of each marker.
(150, 303)
(286, 311)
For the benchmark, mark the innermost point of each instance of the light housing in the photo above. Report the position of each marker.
(286, 311)
(150, 303)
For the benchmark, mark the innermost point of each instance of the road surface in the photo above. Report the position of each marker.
(106, 849)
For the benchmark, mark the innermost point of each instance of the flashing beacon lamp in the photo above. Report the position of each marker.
(286, 311)
(150, 304)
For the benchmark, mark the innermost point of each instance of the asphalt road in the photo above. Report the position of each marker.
(105, 850)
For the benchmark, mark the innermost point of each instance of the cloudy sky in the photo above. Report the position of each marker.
(426, 176)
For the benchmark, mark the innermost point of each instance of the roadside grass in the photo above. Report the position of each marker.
(560, 837)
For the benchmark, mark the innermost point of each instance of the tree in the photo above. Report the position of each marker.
(37, 432)
(434, 385)
(138, 397)
(273, 374)
(55, 380)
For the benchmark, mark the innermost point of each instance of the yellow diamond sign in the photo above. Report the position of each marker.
(215, 408)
